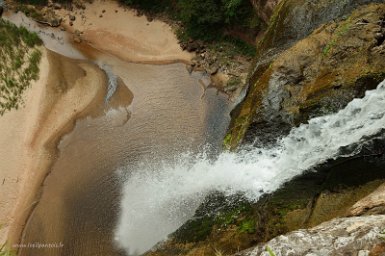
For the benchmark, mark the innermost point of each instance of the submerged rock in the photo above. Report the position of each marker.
(344, 236)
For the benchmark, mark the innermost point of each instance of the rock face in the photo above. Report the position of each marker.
(264, 8)
(372, 204)
(354, 236)
(316, 56)
(317, 75)
(2, 7)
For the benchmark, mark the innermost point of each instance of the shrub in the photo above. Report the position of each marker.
(19, 65)
(202, 19)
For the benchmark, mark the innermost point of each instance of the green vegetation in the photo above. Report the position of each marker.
(342, 30)
(247, 226)
(202, 19)
(20, 63)
(30, 11)
(270, 251)
(195, 230)
(239, 216)
(5, 252)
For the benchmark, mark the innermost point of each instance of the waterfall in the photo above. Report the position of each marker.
(159, 198)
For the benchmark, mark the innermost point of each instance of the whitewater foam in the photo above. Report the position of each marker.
(157, 199)
(112, 81)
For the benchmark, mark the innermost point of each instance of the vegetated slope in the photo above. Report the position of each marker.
(19, 65)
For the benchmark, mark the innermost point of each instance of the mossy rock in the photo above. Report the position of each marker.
(293, 81)
(317, 75)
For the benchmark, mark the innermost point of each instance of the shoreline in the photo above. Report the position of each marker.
(112, 29)
(46, 128)
(48, 115)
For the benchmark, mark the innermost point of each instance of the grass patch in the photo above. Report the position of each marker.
(270, 251)
(247, 226)
(6, 252)
(30, 11)
(341, 31)
(19, 65)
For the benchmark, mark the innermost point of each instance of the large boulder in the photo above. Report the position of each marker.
(354, 236)
(317, 75)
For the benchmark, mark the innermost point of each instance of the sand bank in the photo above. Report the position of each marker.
(67, 90)
(117, 30)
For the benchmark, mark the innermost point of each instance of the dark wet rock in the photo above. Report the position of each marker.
(2, 7)
(193, 46)
(213, 69)
(77, 36)
(230, 224)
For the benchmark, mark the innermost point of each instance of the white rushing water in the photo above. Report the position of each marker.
(112, 81)
(157, 199)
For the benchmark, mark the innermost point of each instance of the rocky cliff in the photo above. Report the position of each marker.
(314, 58)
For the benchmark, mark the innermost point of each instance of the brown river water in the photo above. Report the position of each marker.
(156, 113)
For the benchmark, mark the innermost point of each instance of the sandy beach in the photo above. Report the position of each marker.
(119, 31)
(67, 90)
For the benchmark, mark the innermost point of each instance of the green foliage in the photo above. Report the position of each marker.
(19, 65)
(341, 31)
(247, 226)
(5, 252)
(202, 19)
(150, 5)
(207, 19)
(195, 230)
(30, 11)
(270, 251)
(231, 8)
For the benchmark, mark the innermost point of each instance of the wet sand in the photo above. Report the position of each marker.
(116, 30)
(67, 90)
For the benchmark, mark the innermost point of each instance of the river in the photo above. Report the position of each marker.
(156, 113)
